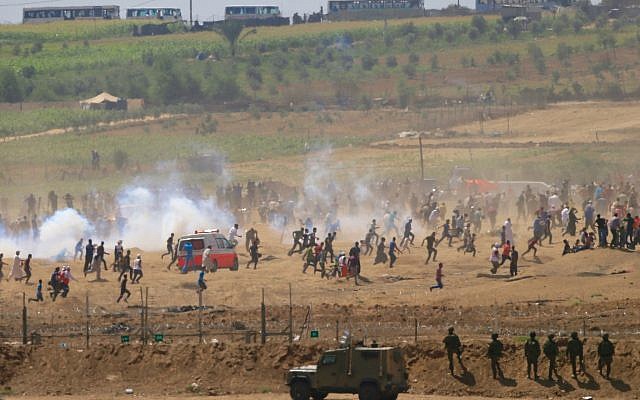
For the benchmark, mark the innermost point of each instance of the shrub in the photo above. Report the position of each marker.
(368, 62)
(392, 62)
(120, 159)
(414, 58)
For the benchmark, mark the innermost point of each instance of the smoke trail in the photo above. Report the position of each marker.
(149, 217)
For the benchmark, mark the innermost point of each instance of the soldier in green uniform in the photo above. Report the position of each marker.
(494, 353)
(453, 346)
(532, 353)
(575, 352)
(551, 351)
(606, 351)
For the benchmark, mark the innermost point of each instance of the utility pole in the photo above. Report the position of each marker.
(290, 316)
(24, 318)
(86, 331)
(190, 13)
(263, 322)
(421, 157)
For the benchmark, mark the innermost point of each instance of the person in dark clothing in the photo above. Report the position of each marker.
(446, 233)
(606, 350)
(603, 231)
(494, 353)
(254, 253)
(551, 351)
(567, 247)
(100, 253)
(88, 256)
(123, 290)
(169, 247)
(381, 256)
(297, 244)
(392, 252)
(575, 352)
(431, 249)
(531, 354)
(408, 235)
(453, 346)
(513, 264)
(126, 266)
(27, 268)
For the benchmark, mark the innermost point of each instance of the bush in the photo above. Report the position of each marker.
(36, 47)
(254, 60)
(120, 159)
(254, 74)
(414, 58)
(410, 70)
(392, 62)
(479, 23)
(368, 62)
(434, 63)
(537, 57)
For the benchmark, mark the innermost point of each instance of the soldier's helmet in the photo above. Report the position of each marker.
(574, 335)
(494, 336)
(532, 335)
(605, 336)
(450, 330)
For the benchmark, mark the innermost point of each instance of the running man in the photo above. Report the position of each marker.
(439, 276)
(123, 290)
(169, 247)
(431, 249)
(39, 296)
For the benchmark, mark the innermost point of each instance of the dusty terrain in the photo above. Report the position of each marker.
(593, 290)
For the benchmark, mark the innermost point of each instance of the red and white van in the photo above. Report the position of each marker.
(222, 254)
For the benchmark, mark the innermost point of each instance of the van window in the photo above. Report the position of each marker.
(223, 243)
(198, 244)
(329, 359)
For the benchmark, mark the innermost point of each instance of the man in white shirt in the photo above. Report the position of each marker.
(233, 234)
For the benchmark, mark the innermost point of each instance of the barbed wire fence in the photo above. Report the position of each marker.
(277, 318)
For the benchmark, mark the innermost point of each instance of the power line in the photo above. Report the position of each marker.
(29, 3)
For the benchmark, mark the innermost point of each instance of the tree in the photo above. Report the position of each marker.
(537, 56)
(564, 54)
(10, 88)
(479, 23)
(231, 31)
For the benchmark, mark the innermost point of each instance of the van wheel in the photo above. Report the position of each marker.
(300, 390)
(369, 391)
(319, 395)
(214, 267)
(236, 265)
(391, 396)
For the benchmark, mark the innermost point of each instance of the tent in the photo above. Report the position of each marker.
(104, 101)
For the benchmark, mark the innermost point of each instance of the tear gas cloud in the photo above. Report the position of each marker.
(145, 216)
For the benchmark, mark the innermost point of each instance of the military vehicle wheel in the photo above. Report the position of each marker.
(393, 396)
(235, 265)
(300, 390)
(319, 395)
(369, 391)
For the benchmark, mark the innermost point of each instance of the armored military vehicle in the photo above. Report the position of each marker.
(374, 373)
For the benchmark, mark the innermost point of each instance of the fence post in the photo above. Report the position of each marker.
(142, 316)
(415, 333)
(87, 321)
(290, 316)
(146, 313)
(200, 315)
(263, 322)
(337, 331)
(24, 318)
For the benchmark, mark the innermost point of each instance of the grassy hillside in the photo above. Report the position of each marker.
(421, 63)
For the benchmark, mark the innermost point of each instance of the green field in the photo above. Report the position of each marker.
(420, 63)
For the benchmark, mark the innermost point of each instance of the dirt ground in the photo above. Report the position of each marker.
(595, 290)
(265, 396)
